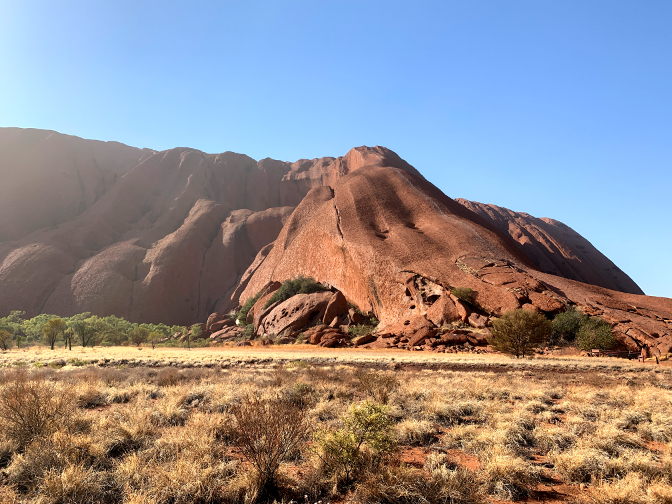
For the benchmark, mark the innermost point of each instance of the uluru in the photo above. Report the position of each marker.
(177, 235)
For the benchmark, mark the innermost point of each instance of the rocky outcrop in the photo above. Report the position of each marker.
(49, 178)
(149, 236)
(556, 248)
(294, 314)
(396, 246)
(175, 236)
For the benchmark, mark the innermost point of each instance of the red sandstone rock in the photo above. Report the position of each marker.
(478, 321)
(218, 326)
(355, 317)
(228, 333)
(214, 317)
(259, 308)
(555, 247)
(363, 340)
(314, 334)
(173, 236)
(546, 303)
(421, 335)
(443, 311)
(296, 313)
(454, 338)
(337, 306)
(461, 308)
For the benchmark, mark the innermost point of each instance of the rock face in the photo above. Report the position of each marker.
(556, 248)
(49, 178)
(178, 235)
(149, 236)
(394, 245)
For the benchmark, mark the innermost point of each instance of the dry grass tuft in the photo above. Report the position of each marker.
(507, 476)
(629, 490)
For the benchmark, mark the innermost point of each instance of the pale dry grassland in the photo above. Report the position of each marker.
(446, 428)
(259, 354)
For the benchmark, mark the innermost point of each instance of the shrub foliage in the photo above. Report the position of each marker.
(31, 408)
(267, 431)
(517, 332)
(290, 288)
(587, 332)
(595, 333)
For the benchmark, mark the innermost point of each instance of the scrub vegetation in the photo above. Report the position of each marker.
(268, 430)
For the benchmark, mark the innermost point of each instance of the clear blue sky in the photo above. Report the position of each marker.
(560, 109)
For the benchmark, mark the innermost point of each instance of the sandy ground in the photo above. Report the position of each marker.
(232, 356)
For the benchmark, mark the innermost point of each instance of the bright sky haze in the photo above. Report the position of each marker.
(557, 109)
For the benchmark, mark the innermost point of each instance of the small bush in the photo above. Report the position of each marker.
(290, 288)
(629, 490)
(78, 484)
(517, 332)
(579, 464)
(378, 385)
(241, 316)
(31, 408)
(417, 433)
(566, 325)
(403, 485)
(595, 333)
(508, 477)
(267, 431)
(367, 425)
(361, 330)
(464, 293)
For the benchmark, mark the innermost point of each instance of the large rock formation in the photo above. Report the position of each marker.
(49, 178)
(150, 236)
(394, 245)
(176, 235)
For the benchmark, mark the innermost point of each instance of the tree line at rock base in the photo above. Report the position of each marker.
(517, 332)
(87, 330)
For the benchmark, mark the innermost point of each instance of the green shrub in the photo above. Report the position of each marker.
(290, 288)
(517, 332)
(241, 316)
(566, 325)
(463, 293)
(366, 425)
(595, 333)
(361, 330)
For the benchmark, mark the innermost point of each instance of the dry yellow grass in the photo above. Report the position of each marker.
(231, 356)
(157, 426)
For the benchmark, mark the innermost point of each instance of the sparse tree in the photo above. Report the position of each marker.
(85, 332)
(68, 334)
(52, 330)
(154, 338)
(5, 340)
(194, 333)
(138, 336)
(517, 332)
